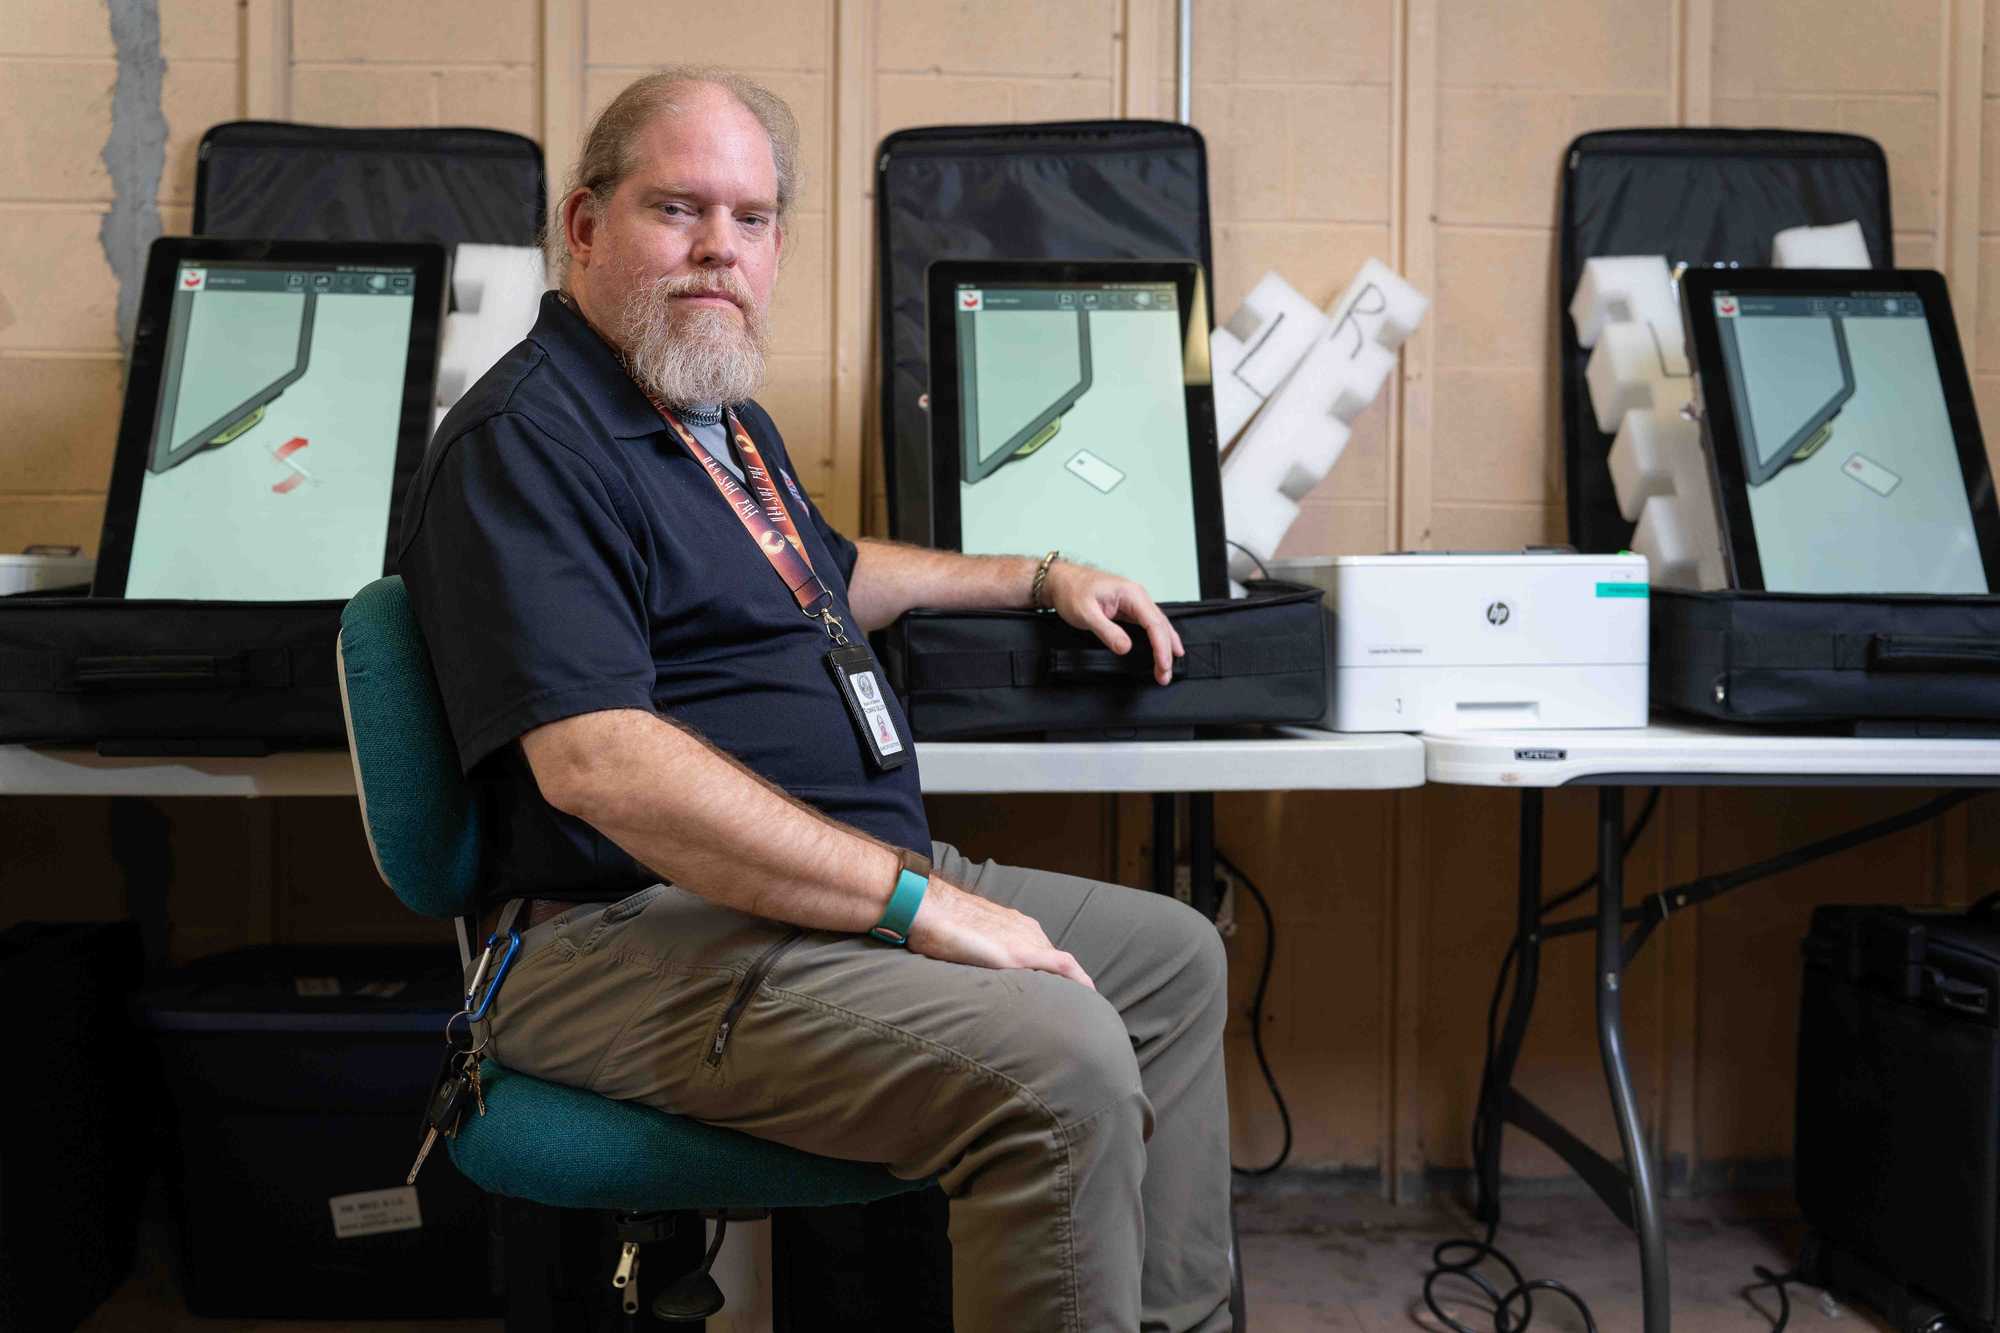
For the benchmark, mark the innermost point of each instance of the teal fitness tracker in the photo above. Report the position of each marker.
(912, 878)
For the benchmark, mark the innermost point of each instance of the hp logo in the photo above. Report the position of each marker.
(1498, 614)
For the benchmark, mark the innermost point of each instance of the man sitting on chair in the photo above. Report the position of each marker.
(650, 645)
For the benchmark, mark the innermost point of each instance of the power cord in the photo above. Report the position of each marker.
(1777, 1282)
(1253, 557)
(1257, 1017)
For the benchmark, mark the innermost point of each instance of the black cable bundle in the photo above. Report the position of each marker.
(1257, 1020)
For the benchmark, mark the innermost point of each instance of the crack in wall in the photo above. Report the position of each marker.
(135, 154)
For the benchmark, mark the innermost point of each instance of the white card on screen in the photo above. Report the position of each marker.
(1094, 470)
(1871, 474)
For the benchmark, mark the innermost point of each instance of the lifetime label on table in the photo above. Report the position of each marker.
(374, 1212)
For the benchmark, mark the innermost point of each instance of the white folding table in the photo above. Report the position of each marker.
(1282, 759)
(1659, 755)
(1274, 760)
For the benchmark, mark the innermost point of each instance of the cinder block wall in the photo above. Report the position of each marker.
(1426, 132)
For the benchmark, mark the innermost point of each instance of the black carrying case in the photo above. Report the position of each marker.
(271, 180)
(1703, 197)
(1898, 1117)
(170, 677)
(1099, 189)
(1771, 657)
(148, 676)
(1264, 659)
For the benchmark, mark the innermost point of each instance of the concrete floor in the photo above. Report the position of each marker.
(1326, 1262)
(1317, 1259)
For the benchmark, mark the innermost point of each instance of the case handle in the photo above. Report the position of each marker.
(180, 671)
(1933, 652)
(1096, 666)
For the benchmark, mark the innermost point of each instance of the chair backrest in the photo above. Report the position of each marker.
(421, 818)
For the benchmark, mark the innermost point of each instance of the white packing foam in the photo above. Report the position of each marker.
(1257, 348)
(1839, 246)
(1294, 441)
(1632, 367)
(1642, 458)
(1256, 521)
(498, 290)
(1623, 289)
(1381, 305)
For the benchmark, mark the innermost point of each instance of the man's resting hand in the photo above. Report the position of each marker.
(960, 927)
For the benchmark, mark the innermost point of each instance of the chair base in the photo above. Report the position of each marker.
(555, 1265)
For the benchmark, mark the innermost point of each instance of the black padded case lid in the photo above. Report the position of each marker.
(1702, 197)
(1103, 189)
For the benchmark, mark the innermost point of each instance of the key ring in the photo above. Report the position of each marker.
(472, 1047)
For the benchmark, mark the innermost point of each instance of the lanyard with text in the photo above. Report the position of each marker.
(762, 512)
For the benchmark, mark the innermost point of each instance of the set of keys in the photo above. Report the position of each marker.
(456, 1089)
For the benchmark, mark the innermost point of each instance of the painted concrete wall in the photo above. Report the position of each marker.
(1426, 132)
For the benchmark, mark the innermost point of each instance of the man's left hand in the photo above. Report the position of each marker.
(1094, 600)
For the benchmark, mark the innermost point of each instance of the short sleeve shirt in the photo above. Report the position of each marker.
(565, 554)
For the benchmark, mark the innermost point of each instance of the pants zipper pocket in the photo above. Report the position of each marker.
(752, 980)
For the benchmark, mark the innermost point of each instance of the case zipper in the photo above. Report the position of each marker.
(752, 980)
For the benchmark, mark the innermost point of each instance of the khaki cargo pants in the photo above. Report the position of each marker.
(1082, 1138)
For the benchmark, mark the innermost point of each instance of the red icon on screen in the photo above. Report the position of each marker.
(283, 453)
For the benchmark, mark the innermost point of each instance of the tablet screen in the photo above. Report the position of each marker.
(274, 432)
(1072, 415)
(1846, 442)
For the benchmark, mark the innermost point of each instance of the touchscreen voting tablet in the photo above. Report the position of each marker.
(1071, 409)
(276, 407)
(1841, 432)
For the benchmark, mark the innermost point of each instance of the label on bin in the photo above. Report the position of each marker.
(372, 1212)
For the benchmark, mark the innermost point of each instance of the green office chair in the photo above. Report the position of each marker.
(543, 1143)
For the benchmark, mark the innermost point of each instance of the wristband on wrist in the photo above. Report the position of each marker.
(1041, 579)
(913, 876)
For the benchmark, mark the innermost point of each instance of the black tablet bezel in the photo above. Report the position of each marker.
(1721, 439)
(142, 381)
(1204, 454)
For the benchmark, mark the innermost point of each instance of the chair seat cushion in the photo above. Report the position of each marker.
(570, 1148)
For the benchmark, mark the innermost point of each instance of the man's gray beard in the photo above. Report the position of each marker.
(684, 355)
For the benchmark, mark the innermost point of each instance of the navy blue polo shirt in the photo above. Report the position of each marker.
(565, 554)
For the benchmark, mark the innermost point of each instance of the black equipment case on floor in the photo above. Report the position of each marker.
(1100, 189)
(297, 1078)
(72, 1164)
(1808, 657)
(169, 677)
(1898, 1121)
(1264, 659)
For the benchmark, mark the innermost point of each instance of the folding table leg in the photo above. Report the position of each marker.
(1202, 893)
(1498, 1090)
(1611, 1044)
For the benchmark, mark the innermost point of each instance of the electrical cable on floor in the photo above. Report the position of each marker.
(1257, 1019)
(1776, 1281)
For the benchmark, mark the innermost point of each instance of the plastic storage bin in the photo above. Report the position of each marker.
(297, 1078)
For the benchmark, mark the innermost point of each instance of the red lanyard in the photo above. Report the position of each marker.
(765, 517)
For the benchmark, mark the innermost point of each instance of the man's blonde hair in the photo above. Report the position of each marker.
(608, 150)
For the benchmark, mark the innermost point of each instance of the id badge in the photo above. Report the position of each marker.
(860, 683)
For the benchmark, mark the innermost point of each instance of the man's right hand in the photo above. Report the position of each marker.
(960, 927)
